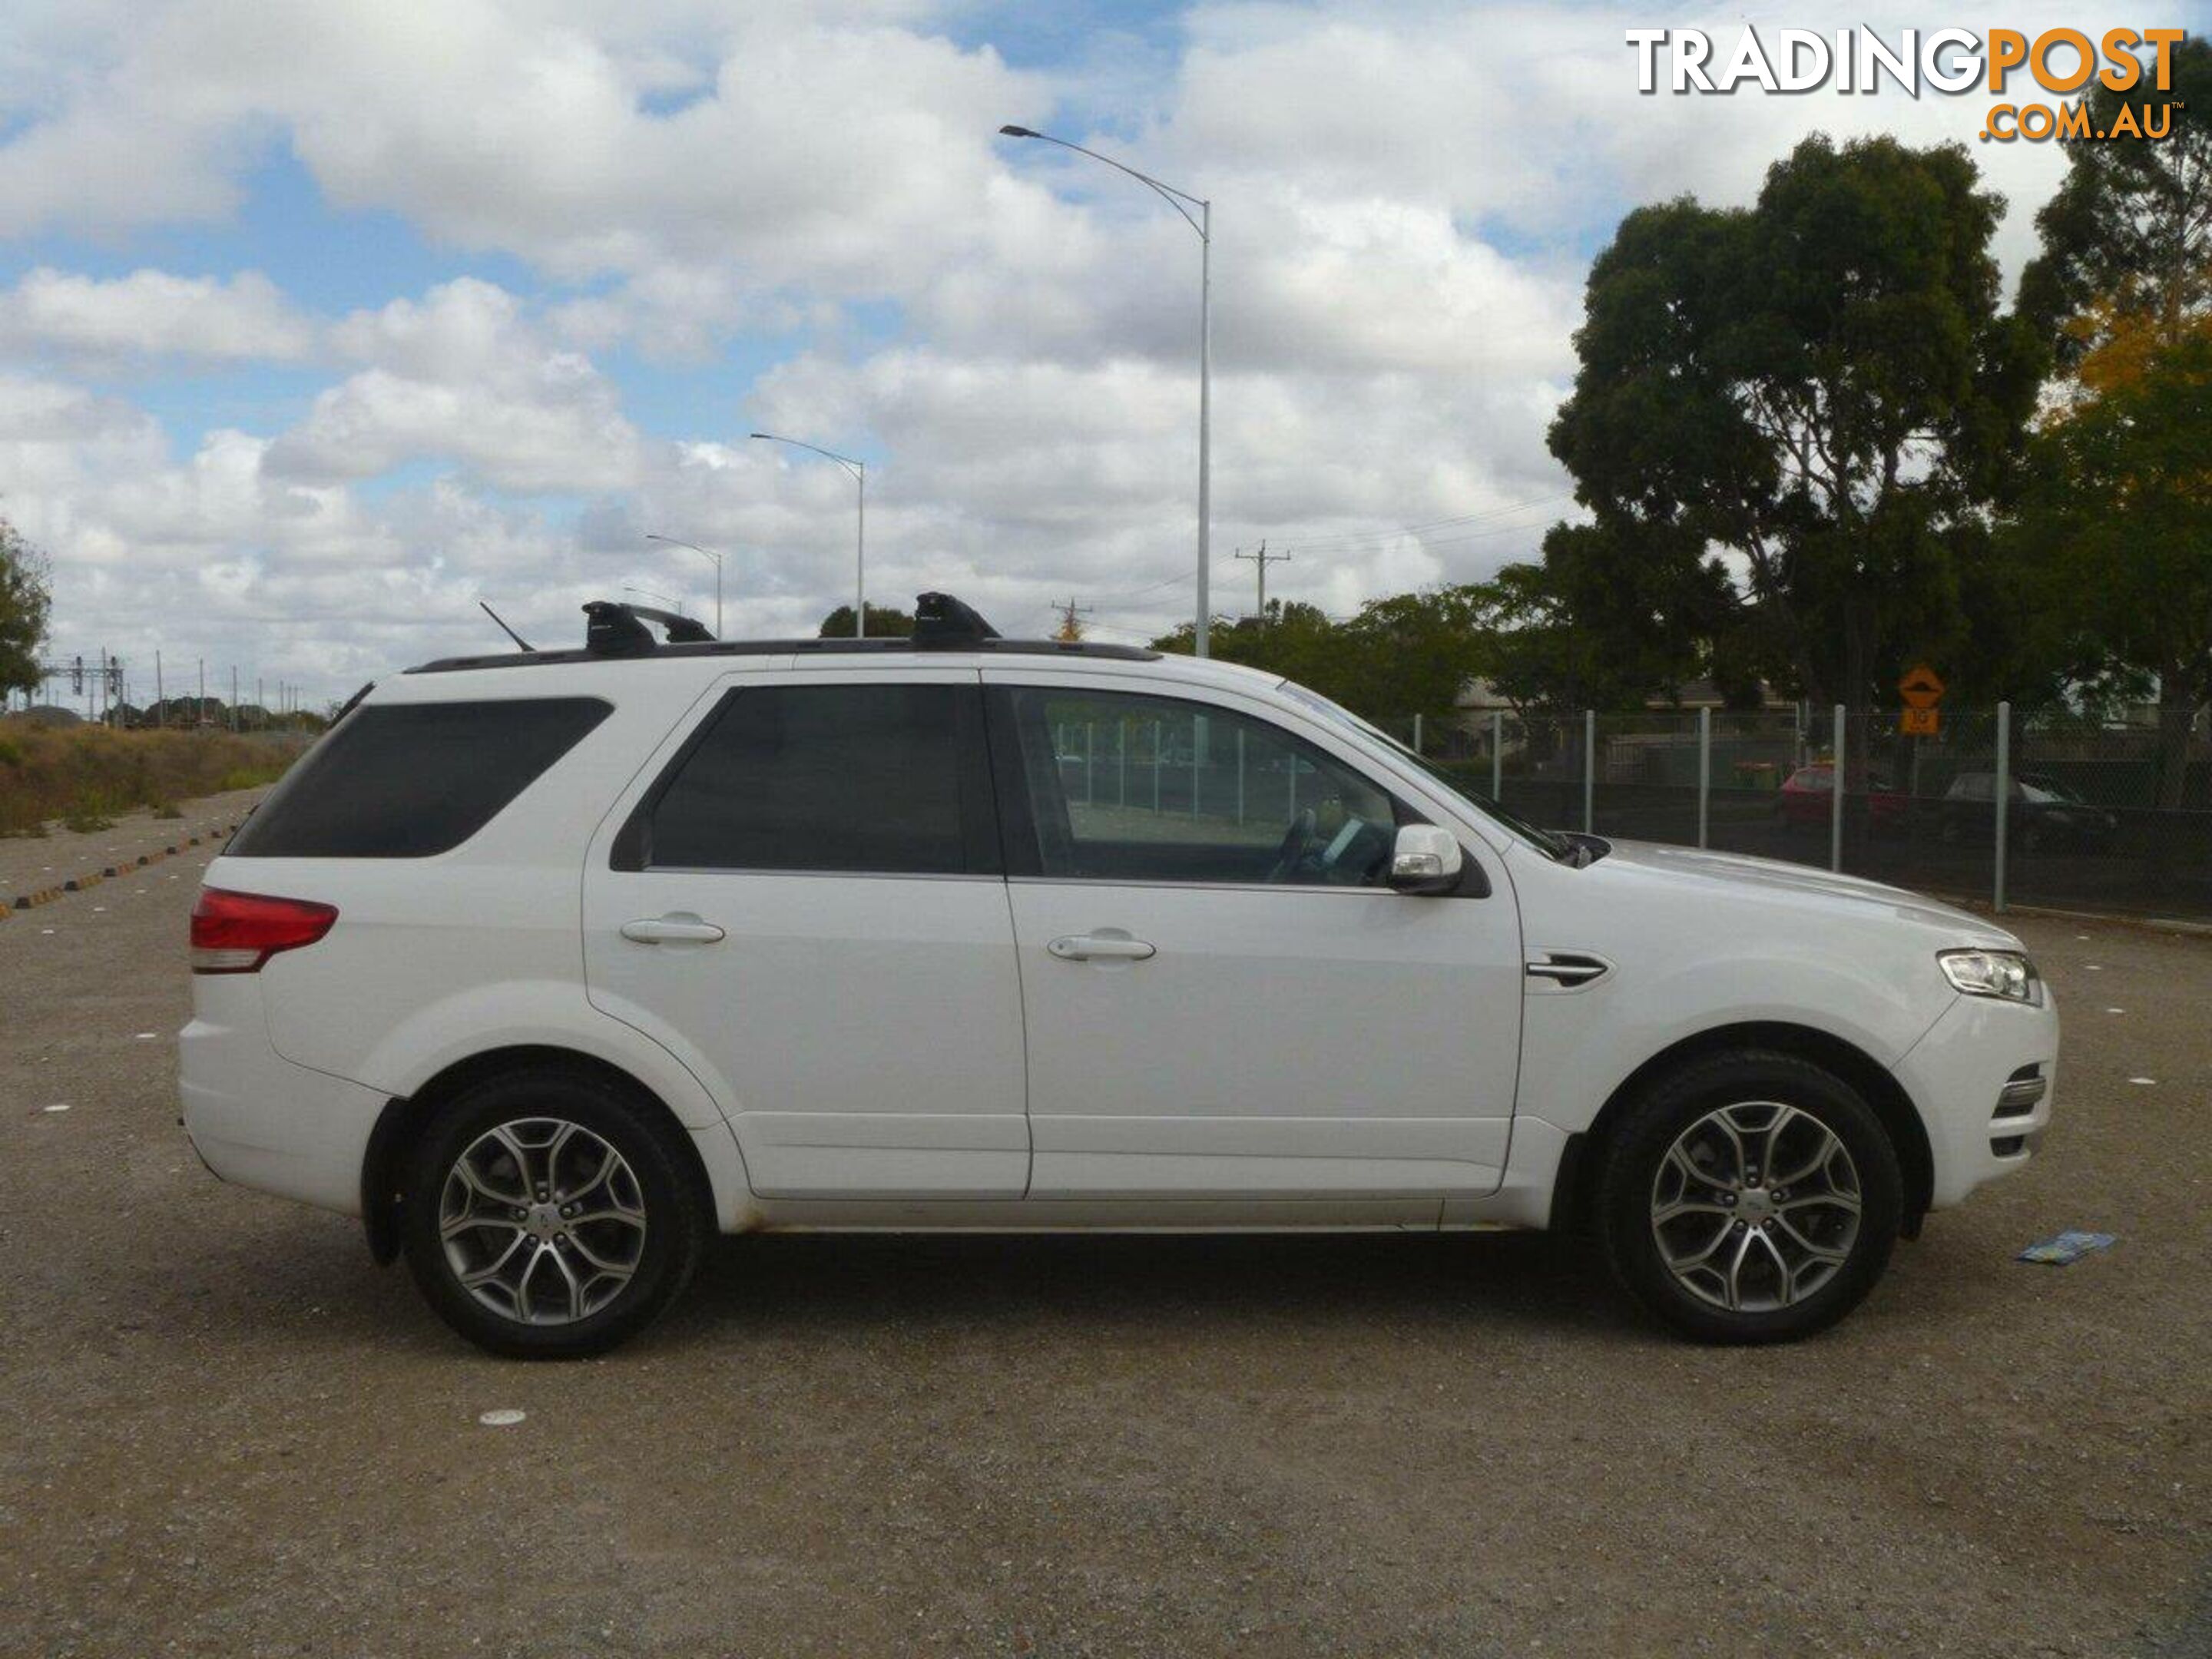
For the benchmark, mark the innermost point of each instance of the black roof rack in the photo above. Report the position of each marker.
(618, 633)
(614, 629)
(943, 623)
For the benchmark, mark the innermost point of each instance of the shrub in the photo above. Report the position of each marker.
(86, 775)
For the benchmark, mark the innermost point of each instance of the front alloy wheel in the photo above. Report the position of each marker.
(1749, 1197)
(1755, 1206)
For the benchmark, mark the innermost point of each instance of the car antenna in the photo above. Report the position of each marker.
(505, 629)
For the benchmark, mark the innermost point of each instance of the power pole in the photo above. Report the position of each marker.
(1260, 562)
(160, 715)
(1071, 619)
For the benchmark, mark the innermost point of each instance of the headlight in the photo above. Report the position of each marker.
(2005, 974)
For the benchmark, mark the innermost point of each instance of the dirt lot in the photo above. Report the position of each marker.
(227, 1433)
(34, 864)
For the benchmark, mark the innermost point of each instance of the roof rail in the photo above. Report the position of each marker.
(616, 631)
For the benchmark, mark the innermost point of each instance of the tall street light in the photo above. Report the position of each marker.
(1203, 224)
(859, 470)
(710, 553)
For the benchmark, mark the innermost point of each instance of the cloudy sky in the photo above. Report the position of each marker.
(318, 323)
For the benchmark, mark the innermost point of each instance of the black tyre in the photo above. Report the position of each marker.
(551, 1215)
(1751, 1197)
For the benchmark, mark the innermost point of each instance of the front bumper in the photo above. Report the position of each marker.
(1958, 1075)
(259, 1119)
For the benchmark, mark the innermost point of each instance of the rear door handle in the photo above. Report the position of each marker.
(677, 927)
(1101, 947)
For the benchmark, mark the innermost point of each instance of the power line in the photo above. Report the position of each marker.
(1377, 537)
(1172, 581)
(1374, 540)
(1478, 535)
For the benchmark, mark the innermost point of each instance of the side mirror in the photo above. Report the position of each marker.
(1424, 859)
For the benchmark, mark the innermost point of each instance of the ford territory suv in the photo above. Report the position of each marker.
(550, 965)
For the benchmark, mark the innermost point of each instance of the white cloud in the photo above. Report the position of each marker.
(464, 375)
(836, 151)
(152, 314)
(1406, 198)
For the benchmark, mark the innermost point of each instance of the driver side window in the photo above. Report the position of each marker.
(1129, 787)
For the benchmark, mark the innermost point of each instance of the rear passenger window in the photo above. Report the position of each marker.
(405, 780)
(878, 779)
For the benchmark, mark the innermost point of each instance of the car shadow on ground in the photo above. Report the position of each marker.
(794, 1286)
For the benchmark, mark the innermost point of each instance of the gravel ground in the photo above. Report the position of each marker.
(229, 1434)
(31, 863)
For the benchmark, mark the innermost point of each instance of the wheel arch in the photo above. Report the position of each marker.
(404, 1117)
(1574, 1189)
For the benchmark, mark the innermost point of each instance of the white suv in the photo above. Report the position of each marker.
(549, 964)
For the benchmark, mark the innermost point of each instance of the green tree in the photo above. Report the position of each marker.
(884, 623)
(1821, 391)
(1413, 652)
(2118, 526)
(26, 601)
(1404, 654)
(2127, 239)
(2116, 532)
(1644, 609)
(1294, 640)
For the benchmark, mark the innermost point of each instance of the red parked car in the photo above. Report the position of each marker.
(1806, 799)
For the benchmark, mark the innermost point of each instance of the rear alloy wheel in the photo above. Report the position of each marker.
(549, 1215)
(1752, 1198)
(543, 1221)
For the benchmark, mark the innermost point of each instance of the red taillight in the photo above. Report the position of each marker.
(236, 933)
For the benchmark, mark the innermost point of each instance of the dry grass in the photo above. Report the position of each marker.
(84, 775)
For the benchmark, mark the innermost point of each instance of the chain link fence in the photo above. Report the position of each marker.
(2047, 810)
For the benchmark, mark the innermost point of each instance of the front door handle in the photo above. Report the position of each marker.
(677, 927)
(1100, 947)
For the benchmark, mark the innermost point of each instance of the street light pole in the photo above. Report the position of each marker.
(1203, 224)
(709, 553)
(858, 469)
(1206, 426)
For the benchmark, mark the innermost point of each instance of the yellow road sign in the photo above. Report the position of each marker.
(1921, 688)
(1918, 722)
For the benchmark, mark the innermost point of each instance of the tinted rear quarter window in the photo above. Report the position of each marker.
(407, 780)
